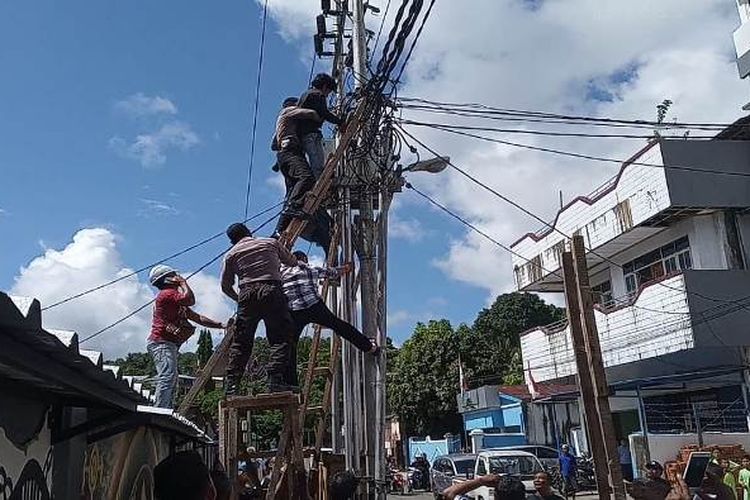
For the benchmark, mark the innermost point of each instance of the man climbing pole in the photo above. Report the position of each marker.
(255, 263)
(290, 159)
(300, 283)
(316, 98)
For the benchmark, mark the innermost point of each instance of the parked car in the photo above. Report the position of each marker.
(447, 468)
(521, 464)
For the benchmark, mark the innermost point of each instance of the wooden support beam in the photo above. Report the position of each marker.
(206, 372)
(598, 376)
(273, 401)
(583, 375)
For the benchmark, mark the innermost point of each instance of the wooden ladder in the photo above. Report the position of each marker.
(288, 460)
(313, 200)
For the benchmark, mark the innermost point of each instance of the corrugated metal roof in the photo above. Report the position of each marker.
(60, 367)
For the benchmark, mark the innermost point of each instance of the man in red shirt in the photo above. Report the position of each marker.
(171, 311)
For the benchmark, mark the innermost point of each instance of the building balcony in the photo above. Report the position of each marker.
(695, 313)
(666, 181)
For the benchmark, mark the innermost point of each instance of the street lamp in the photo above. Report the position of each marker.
(432, 166)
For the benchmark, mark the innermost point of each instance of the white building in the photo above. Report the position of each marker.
(669, 248)
(742, 38)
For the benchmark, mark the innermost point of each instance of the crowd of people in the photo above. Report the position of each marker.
(267, 281)
(185, 476)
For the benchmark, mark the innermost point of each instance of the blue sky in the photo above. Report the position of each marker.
(124, 135)
(64, 154)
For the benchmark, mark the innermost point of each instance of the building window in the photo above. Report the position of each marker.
(602, 293)
(672, 258)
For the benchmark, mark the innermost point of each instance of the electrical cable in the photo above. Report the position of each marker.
(141, 308)
(261, 52)
(482, 108)
(160, 261)
(603, 159)
(545, 223)
(549, 133)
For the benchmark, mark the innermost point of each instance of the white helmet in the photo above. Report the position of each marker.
(158, 272)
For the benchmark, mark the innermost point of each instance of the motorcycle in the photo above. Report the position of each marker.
(398, 482)
(585, 475)
(418, 480)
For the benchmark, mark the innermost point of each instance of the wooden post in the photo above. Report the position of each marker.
(583, 374)
(598, 377)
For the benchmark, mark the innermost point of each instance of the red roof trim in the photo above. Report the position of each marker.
(586, 199)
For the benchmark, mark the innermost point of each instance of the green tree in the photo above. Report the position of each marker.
(491, 348)
(187, 363)
(424, 382)
(136, 363)
(205, 347)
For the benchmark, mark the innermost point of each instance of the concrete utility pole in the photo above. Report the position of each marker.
(363, 376)
(595, 361)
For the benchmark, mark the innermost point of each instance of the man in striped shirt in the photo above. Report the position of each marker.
(300, 285)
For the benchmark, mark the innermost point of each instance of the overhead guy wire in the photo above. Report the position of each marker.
(141, 308)
(160, 261)
(261, 51)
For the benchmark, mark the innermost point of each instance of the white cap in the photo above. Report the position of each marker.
(160, 271)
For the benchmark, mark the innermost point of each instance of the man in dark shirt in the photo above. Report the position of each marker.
(290, 158)
(316, 98)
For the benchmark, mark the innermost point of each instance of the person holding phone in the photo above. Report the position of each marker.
(170, 328)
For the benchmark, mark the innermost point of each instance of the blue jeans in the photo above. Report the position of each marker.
(312, 143)
(165, 359)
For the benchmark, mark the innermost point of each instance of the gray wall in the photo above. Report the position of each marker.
(697, 189)
(724, 322)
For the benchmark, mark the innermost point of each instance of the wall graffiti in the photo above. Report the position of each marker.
(25, 451)
(122, 466)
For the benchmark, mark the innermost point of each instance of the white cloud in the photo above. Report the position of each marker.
(91, 259)
(559, 57)
(399, 317)
(408, 229)
(140, 105)
(150, 149)
(157, 208)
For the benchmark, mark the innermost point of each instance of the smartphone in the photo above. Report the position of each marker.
(696, 468)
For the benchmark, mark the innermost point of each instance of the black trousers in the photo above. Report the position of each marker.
(263, 300)
(298, 179)
(319, 314)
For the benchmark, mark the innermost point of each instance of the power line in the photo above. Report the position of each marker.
(550, 133)
(382, 23)
(490, 110)
(583, 156)
(261, 52)
(141, 308)
(160, 261)
(414, 42)
(547, 224)
(471, 226)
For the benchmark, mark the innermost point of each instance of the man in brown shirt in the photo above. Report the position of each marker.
(290, 158)
(254, 263)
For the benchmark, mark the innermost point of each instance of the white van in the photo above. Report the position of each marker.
(521, 464)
